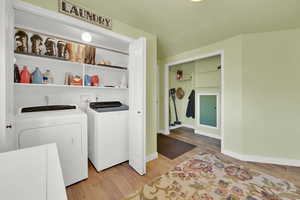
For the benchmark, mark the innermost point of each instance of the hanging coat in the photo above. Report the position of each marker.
(190, 110)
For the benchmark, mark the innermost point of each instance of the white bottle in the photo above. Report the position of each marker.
(48, 77)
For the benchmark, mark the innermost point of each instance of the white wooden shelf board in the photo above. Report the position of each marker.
(66, 86)
(45, 58)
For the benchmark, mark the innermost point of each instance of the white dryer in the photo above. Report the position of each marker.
(64, 125)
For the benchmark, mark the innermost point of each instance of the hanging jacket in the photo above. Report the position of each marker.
(190, 110)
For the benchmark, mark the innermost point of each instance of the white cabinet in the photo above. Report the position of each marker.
(32, 173)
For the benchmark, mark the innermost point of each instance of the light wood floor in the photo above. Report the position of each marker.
(119, 181)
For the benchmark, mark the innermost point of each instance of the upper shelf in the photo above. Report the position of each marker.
(106, 66)
(67, 86)
(67, 61)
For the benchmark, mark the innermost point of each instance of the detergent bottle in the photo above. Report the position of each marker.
(48, 77)
(16, 74)
(95, 80)
(37, 77)
(25, 75)
(87, 80)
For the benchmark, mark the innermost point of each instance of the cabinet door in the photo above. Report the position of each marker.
(32, 173)
(68, 140)
(137, 105)
(23, 175)
(7, 139)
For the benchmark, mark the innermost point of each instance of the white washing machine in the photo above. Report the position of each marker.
(64, 125)
(108, 138)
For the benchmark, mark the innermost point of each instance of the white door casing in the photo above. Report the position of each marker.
(6, 76)
(2, 75)
(137, 105)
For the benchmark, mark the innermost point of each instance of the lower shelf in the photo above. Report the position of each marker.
(66, 86)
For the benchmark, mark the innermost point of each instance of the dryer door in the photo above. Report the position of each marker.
(68, 140)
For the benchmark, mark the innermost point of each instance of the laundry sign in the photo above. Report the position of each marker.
(79, 12)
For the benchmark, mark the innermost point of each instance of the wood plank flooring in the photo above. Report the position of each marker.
(119, 181)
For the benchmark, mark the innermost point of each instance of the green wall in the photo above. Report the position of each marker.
(261, 93)
(129, 31)
(271, 98)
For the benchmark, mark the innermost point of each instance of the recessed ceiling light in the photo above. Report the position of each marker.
(196, 0)
(87, 37)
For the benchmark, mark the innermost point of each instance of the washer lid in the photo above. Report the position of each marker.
(52, 112)
(105, 104)
(112, 109)
(47, 108)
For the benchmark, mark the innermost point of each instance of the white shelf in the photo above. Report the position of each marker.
(110, 67)
(46, 85)
(107, 88)
(56, 59)
(59, 67)
(66, 86)
(45, 58)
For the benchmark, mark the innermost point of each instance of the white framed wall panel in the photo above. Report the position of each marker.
(197, 112)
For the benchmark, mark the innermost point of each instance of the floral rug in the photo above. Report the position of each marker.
(208, 177)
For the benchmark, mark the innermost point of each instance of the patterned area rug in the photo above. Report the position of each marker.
(208, 177)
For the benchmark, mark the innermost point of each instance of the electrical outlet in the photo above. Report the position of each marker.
(85, 99)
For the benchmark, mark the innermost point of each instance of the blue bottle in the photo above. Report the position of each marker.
(87, 80)
(37, 76)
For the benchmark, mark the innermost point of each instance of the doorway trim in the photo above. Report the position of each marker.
(166, 92)
(3, 73)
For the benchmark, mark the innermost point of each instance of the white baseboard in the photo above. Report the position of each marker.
(191, 127)
(208, 134)
(163, 132)
(182, 125)
(151, 157)
(188, 126)
(262, 159)
(177, 126)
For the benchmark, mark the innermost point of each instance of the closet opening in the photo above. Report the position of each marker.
(194, 95)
